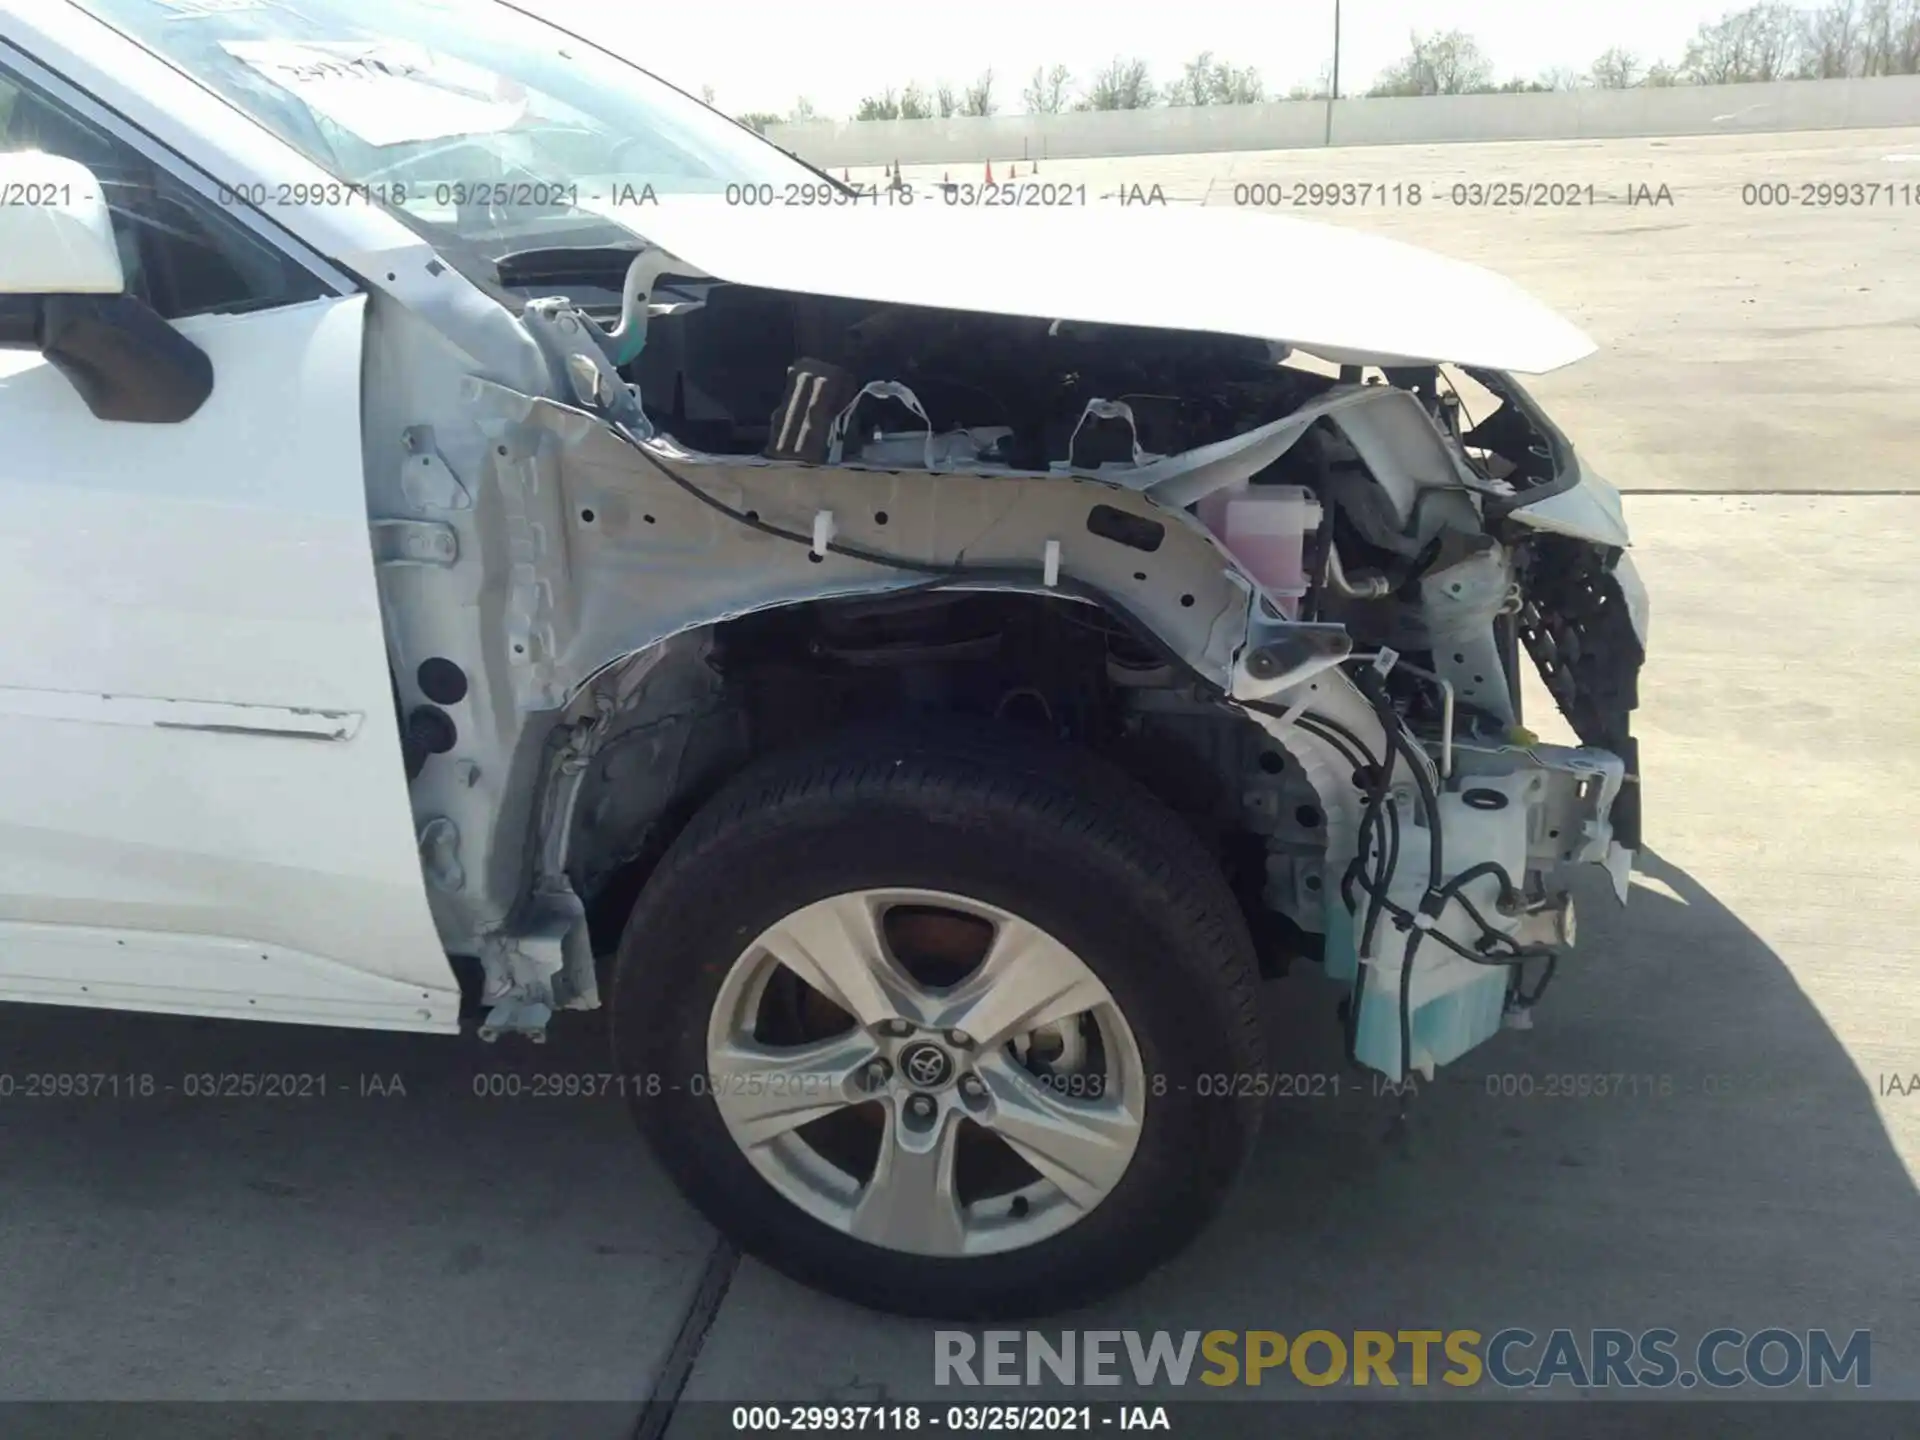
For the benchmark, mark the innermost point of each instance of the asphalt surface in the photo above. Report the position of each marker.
(437, 1226)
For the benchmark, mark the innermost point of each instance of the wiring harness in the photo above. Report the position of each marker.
(1379, 839)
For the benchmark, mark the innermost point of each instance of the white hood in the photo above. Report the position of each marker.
(1341, 294)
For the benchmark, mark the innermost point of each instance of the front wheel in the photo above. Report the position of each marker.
(934, 1024)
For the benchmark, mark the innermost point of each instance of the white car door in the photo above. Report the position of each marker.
(203, 805)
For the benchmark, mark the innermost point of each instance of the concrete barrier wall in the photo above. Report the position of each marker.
(1598, 114)
(1080, 134)
(1296, 124)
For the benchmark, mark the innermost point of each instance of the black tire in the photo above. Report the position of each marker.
(1040, 830)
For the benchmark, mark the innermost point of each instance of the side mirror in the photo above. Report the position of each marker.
(63, 293)
(56, 235)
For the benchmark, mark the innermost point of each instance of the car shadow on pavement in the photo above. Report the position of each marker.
(1680, 1141)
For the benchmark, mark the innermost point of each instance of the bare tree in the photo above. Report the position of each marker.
(1205, 80)
(1904, 49)
(1320, 89)
(1438, 64)
(1876, 31)
(1830, 41)
(1617, 69)
(1121, 85)
(1046, 93)
(1761, 42)
(1194, 87)
(912, 103)
(1769, 40)
(1904, 46)
(1890, 43)
(979, 97)
(707, 96)
(1243, 87)
(803, 111)
(915, 103)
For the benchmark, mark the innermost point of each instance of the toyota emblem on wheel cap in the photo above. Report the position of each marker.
(926, 1066)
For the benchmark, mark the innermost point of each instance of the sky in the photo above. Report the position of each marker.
(764, 55)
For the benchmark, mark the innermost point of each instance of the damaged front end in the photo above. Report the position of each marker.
(1290, 595)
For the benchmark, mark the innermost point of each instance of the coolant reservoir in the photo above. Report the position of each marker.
(1265, 528)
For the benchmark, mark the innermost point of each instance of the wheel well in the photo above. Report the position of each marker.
(788, 677)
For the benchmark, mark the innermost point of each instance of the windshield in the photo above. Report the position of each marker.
(484, 129)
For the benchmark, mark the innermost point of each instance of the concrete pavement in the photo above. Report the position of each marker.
(417, 1219)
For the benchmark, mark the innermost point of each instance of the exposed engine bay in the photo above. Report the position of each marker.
(1291, 596)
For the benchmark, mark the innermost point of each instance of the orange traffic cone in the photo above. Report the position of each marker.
(845, 178)
(989, 172)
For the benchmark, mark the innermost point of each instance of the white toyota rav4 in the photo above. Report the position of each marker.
(479, 523)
